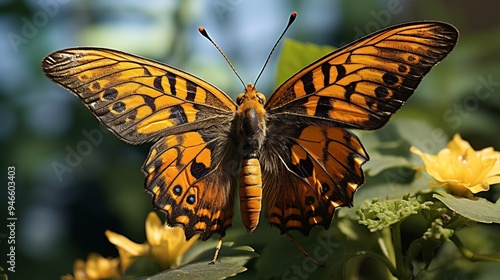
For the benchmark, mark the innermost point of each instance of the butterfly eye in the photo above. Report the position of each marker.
(240, 98)
(261, 97)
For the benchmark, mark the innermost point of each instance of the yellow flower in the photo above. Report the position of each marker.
(460, 170)
(96, 267)
(165, 245)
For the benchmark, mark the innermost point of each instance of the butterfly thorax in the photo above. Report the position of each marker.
(251, 132)
(251, 120)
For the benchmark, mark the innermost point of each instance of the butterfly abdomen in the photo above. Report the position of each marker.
(250, 192)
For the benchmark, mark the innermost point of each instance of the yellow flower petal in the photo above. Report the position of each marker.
(460, 170)
(79, 270)
(184, 247)
(171, 247)
(458, 189)
(489, 153)
(481, 187)
(154, 229)
(123, 242)
(98, 267)
(127, 249)
(493, 180)
(458, 144)
(165, 245)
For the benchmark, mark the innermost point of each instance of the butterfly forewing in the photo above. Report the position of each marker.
(362, 84)
(136, 98)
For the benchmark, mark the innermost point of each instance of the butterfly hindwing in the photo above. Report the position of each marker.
(192, 179)
(362, 84)
(321, 170)
(136, 98)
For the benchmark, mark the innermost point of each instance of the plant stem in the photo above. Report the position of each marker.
(380, 258)
(386, 245)
(402, 271)
(468, 254)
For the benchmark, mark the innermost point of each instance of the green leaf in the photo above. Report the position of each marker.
(379, 163)
(477, 209)
(295, 56)
(229, 264)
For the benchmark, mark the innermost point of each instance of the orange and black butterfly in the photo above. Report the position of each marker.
(291, 154)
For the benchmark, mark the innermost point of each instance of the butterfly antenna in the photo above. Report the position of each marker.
(205, 34)
(290, 21)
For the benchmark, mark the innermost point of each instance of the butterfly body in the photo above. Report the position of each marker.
(291, 157)
(251, 133)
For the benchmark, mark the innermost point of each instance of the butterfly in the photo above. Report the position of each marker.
(292, 154)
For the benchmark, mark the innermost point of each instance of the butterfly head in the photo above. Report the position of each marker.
(251, 99)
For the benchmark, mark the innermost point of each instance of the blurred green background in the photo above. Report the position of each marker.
(75, 180)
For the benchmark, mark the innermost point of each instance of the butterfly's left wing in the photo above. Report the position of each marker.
(316, 161)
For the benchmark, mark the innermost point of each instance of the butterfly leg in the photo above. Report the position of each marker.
(217, 249)
(303, 251)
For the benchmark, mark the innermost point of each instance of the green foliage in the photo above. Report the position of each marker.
(477, 209)
(438, 232)
(295, 56)
(229, 264)
(195, 264)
